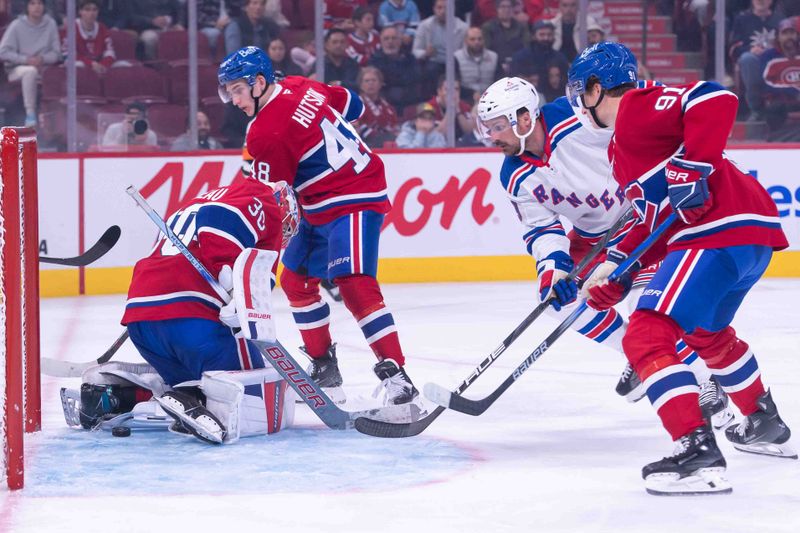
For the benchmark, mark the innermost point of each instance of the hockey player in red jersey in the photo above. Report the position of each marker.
(301, 133)
(179, 324)
(667, 153)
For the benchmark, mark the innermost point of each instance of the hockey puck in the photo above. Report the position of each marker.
(121, 431)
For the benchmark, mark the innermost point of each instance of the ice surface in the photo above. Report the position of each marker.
(560, 451)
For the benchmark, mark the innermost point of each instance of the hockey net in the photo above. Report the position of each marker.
(19, 299)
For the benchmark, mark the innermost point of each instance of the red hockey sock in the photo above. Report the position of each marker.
(363, 298)
(311, 314)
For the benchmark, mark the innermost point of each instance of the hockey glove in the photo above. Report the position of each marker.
(602, 294)
(687, 187)
(553, 283)
(228, 316)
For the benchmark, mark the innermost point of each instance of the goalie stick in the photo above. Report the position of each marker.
(443, 397)
(297, 378)
(377, 428)
(68, 369)
(100, 248)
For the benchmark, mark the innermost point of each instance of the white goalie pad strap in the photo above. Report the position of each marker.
(248, 403)
(122, 373)
(252, 292)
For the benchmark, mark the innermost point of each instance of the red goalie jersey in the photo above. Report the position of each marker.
(303, 135)
(691, 122)
(215, 227)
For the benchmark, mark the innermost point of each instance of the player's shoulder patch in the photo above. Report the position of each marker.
(513, 173)
(702, 91)
(559, 121)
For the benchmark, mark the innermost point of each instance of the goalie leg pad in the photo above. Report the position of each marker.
(248, 403)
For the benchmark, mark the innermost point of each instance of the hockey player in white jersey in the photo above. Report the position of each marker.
(556, 166)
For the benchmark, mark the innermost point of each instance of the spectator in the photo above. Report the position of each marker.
(753, 32)
(114, 14)
(555, 84)
(568, 28)
(212, 18)
(55, 8)
(524, 11)
(477, 67)
(251, 28)
(430, 42)
(400, 13)
(532, 61)
(29, 43)
(505, 34)
(183, 143)
(379, 122)
(421, 132)
(464, 119)
(753, 29)
(93, 46)
(132, 130)
(303, 56)
(339, 13)
(49, 137)
(595, 34)
(339, 69)
(274, 12)
(399, 69)
(363, 40)
(781, 86)
(149, 18)
(281, 63)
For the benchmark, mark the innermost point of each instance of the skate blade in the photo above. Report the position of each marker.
(722, 419)
(203, 427)
(783, 451)
(706, 481)
(336, 394)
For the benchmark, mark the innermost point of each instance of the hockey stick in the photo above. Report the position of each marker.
(378, 428)
(100, 248)
(67, 369)
(443, 397)
(297, 378)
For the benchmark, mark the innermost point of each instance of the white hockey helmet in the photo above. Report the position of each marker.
(504, 98)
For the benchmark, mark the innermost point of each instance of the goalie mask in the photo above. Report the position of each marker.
(289, 212)
(505, 98)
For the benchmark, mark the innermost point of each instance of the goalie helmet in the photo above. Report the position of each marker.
(504, 98)
(244, 64)
(613, 64)
(289, 212)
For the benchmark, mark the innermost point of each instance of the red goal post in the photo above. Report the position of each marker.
(19, 300)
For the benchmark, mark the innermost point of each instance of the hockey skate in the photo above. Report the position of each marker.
(762, 432)
(325, 373)
(395, 383)
(629, 385)
(193, 416)
(714, 404)
(696, 467)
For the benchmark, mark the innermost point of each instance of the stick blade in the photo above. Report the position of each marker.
(390, 430)
(437, 394)
(64, 369)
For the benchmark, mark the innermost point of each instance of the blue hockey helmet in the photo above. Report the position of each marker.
(613, 64)
(244, 64)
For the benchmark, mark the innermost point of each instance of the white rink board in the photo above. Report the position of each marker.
(431, 218)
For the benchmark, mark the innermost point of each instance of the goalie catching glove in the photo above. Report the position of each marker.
(250, 309)
(687, 186)
(553, 271)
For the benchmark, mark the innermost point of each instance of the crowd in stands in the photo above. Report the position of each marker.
(392, 52)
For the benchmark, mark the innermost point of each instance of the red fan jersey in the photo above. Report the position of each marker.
(215, 227)
(360, 50)
(303, 135)
(691, 122)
